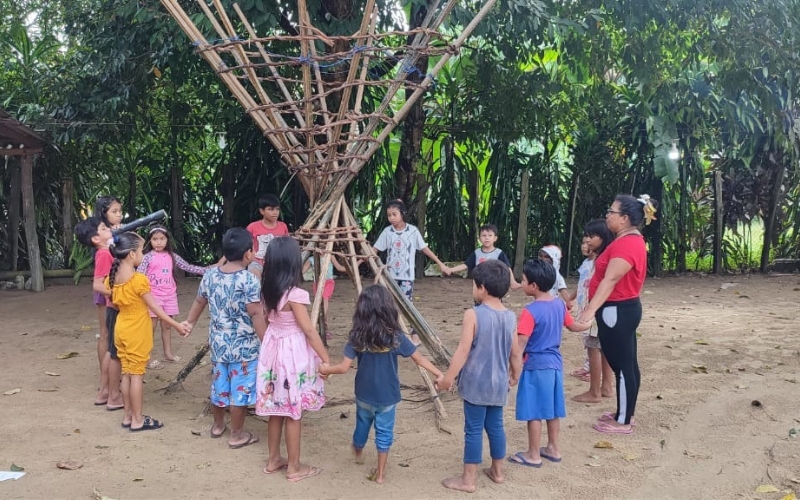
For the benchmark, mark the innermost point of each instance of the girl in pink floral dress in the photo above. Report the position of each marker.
(287, 383)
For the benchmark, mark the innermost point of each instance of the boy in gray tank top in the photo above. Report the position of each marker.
(487, 348)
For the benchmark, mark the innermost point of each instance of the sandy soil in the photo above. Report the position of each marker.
(698, 434)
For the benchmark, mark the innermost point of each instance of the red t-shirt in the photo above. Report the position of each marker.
(263, 235)
(632, 250)
(102, 265)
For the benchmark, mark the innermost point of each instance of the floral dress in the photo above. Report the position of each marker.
(287, 382)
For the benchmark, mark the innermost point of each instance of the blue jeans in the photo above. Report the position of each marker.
(382, 417)
(476, 419)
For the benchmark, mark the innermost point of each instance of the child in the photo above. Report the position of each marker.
(328, 287)
(376, 340)
(487, 236)
(133, 331)
(585, 272)
(485, 351)
(552, 255)
(401, 241)
(596, 237)
(94, 234)
(287, 383)
(235, 330)
(159, 266)
(109, 210)
(264, 230)
(540, 395)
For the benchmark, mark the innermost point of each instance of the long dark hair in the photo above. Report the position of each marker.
(283, 270)
(102, 205)
(148, 247)
(599, 228)
(375, 321)
(122, 245)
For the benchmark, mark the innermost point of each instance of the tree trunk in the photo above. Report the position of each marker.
(67, 189)
(29, 215)
(474, 200)
(770, 223)
(414, 125)
(576, 181)
(13, 213)
(228, 196)
(421, 204)
(682, 203)
(719, 226)
(656, 248)
(522, 223)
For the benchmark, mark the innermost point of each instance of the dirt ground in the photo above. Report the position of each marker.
(708, 351)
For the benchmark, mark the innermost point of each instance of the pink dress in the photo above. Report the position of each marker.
(287, 383)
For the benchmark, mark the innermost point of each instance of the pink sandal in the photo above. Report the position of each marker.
(608, 428)
(609, 417)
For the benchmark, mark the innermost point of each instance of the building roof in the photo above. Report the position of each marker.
(17, 139)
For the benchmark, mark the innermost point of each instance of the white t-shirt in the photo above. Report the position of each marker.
(401, 250)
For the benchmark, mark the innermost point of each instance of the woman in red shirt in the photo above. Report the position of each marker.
(614, 302)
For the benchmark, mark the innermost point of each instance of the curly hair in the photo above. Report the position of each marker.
(375, 321)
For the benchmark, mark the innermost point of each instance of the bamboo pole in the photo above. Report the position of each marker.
(322, 270)
(354, 128)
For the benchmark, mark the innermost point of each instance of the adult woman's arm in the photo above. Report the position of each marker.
(617, 268)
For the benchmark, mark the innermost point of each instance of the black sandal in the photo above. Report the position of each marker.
(150, 424)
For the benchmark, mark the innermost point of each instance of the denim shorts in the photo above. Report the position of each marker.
(233, 384)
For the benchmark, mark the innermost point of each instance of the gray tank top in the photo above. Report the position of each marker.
(484, 377)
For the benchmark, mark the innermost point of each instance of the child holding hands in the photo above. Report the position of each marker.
(235, 330)
(133, 331)
(540, 395)
(376, 340)
(287, 383)
(486, 350)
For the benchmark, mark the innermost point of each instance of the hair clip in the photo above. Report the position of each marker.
(649, 209)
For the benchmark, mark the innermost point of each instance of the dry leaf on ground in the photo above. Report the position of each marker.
(603, 445)
(767, 488)
(67, 355)
(69, 465)
(12, 392)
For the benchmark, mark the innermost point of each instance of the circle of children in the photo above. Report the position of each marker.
(265, 351)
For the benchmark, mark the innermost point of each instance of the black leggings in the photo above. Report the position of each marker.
(616, 329)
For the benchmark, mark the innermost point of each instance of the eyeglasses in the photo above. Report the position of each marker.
(609, 211)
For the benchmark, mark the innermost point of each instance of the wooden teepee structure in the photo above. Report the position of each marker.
(308, 103)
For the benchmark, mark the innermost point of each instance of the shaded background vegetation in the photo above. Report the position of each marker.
(552, 109)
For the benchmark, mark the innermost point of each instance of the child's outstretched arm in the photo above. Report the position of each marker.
(573, 325)
(256, 312)
(515, 360)
(337, 369)
(189, 268)
(445, 270)
(462, 352)
(182, 328)
(337, 265)
(198, 305)
(422, 361)
(300, 312)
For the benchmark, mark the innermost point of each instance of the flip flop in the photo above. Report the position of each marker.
(580, 372)
(609, 417)
(175, 359)
(251, 439)
(150, 424)
(114, 408)
(101, 404)
(607, 428)
(543, 454)
(311, 472)
(155, 365)
(268, 472)
(217, 436)
(126, 426)
(521, 460)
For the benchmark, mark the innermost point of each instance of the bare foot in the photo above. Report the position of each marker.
(358, 455)
(457, 483)
(273, 467)
(587, 397)
(607, 393)
(374, 476)
(497, 477)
